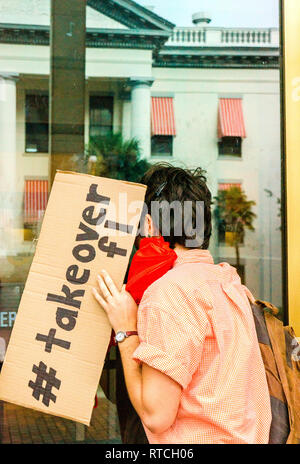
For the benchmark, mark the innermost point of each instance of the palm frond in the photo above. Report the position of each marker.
(115, 157)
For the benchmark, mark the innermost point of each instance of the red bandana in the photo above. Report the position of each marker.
(152, 260)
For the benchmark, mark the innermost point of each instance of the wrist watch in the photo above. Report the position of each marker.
(120, 336)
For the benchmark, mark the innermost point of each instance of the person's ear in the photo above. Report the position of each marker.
(149, 226)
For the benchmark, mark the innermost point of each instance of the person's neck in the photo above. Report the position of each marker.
(180, 249)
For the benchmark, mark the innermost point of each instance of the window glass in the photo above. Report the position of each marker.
(37, 123)
(230, 146)
(101, 115)
(162, 145)
(160, 84)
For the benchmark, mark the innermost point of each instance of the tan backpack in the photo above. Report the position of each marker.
(280, 351)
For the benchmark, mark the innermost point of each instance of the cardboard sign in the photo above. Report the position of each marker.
(60, 337)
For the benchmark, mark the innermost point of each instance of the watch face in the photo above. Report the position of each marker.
(120, 336)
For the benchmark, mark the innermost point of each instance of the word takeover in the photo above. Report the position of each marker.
(69, 302)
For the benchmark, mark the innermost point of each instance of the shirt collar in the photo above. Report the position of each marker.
(194, 255)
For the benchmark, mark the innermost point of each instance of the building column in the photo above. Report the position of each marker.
(8, 163)
(125, 97)
(141, 113)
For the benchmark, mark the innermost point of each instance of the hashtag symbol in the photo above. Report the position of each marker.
(50, 381)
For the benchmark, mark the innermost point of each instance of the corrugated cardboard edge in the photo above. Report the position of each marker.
(19, 403)
(99, 177)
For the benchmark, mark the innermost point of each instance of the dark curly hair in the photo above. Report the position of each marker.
(167, 183)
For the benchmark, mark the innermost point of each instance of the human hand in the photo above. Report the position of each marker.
(120, 307)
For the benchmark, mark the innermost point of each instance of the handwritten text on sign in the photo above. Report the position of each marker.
(69, 301)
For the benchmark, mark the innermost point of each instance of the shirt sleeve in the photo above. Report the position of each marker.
(169, 343)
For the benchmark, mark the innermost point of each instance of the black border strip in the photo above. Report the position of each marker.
(284, 224)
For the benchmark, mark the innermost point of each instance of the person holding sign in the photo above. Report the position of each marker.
(190, 354)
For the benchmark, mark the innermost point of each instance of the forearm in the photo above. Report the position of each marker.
(133, 374)
(149, 389)
(154, 396)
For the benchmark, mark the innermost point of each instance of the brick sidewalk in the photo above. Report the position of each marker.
(21, 425)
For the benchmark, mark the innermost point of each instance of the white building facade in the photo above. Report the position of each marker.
(135, 59)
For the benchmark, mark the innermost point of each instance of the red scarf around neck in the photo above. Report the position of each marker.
(151, 261)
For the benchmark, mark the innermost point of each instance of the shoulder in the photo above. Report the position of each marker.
(178, 290)
(165, 287)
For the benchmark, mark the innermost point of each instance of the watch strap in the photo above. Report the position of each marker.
(127, 334)
(134, 332)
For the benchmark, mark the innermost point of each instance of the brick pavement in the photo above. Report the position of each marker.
(21, 426)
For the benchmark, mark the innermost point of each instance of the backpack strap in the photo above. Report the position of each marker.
(280, 426)
(267, 306)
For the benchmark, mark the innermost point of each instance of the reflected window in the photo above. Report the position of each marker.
(162, 126)
(230, 146)
(162, 145)
(35, 203)
(37, 123)
(228, 233)
(231, 127)
(101, 115)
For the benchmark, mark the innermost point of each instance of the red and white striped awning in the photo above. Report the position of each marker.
(227, 186)
(162, 116)
(35, 199)
(231, 119)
